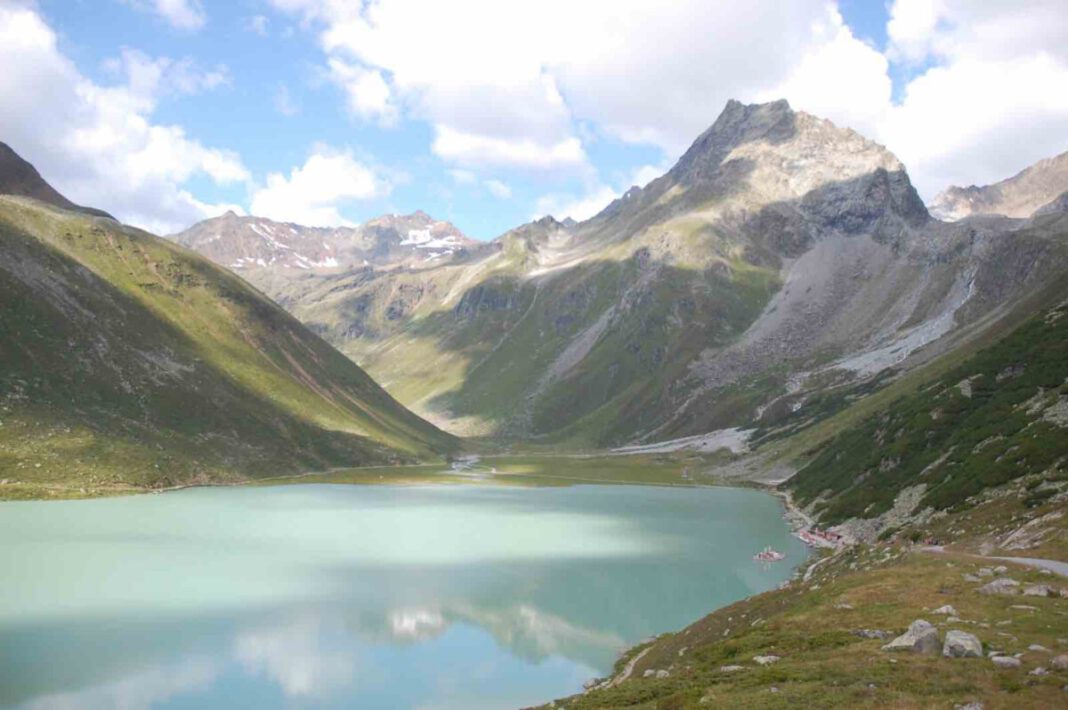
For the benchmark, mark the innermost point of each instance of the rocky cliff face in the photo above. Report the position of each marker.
(1019, 196)
(781, 263)
(248, 244)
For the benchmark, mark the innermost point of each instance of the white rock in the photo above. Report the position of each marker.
(920, 638)
(765, 660)
(947, 609)
(1006, 662)
(962, 645)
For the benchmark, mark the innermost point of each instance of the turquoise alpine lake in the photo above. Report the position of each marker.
(443, 596)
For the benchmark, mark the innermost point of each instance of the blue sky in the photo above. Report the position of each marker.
(324, 111)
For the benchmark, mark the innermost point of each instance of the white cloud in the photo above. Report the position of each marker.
(498, 189)
(514, 83)
(482, 150)
(312, 193)
(187, 15)
(97, 144)
(367, 93)
(992, 100)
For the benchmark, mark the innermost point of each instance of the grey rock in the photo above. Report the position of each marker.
(872, 634)
(1039, 671)
(662, 674)
(1038, 647)
(730, 669)
(947, 610)
(962, 645)
(921, 637)
(1038, 590)
(1006, 662)
(765, 660)
(1060, 662)
(1004, 585)
(971, 578)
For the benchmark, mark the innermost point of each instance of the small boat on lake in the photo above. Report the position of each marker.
(768, 555)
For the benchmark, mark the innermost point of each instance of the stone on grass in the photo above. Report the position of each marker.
(1001, 569)
(662, 673)
(730, 669)
(986, 572)
(1039, 671)
(1038, 647)
(1006, 662)
(1005, 585)
(1060, 662)
(1038, 590)
(765, 660)
(962, 645)
(873, 634)
(920, 638)
(971, 578)
(947, 610)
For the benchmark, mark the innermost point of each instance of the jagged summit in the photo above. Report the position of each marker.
(765, 164)
(1019, 196)
(19, 177)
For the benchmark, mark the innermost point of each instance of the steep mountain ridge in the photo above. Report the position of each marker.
(780, 258)
(19, 177)
(250, 244)
(1018, 196)
(128, 361)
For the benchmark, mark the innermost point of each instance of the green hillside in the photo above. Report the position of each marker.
(130, 361)
(1000, 415)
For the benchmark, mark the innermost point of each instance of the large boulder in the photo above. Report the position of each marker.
(921, 637)
(960, 644)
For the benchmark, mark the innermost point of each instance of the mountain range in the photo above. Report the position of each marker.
(782, 268)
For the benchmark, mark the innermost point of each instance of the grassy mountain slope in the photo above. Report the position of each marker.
(128, 360)
(1000, 415)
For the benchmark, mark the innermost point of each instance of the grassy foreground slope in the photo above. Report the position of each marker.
(976, 459)
(126, 360)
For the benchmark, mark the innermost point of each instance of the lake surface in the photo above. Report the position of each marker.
(451, 596)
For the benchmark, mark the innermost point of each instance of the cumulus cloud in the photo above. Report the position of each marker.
(989, 102)
(313, 193)
(367, 93)
(512, 88)
(98, 144)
